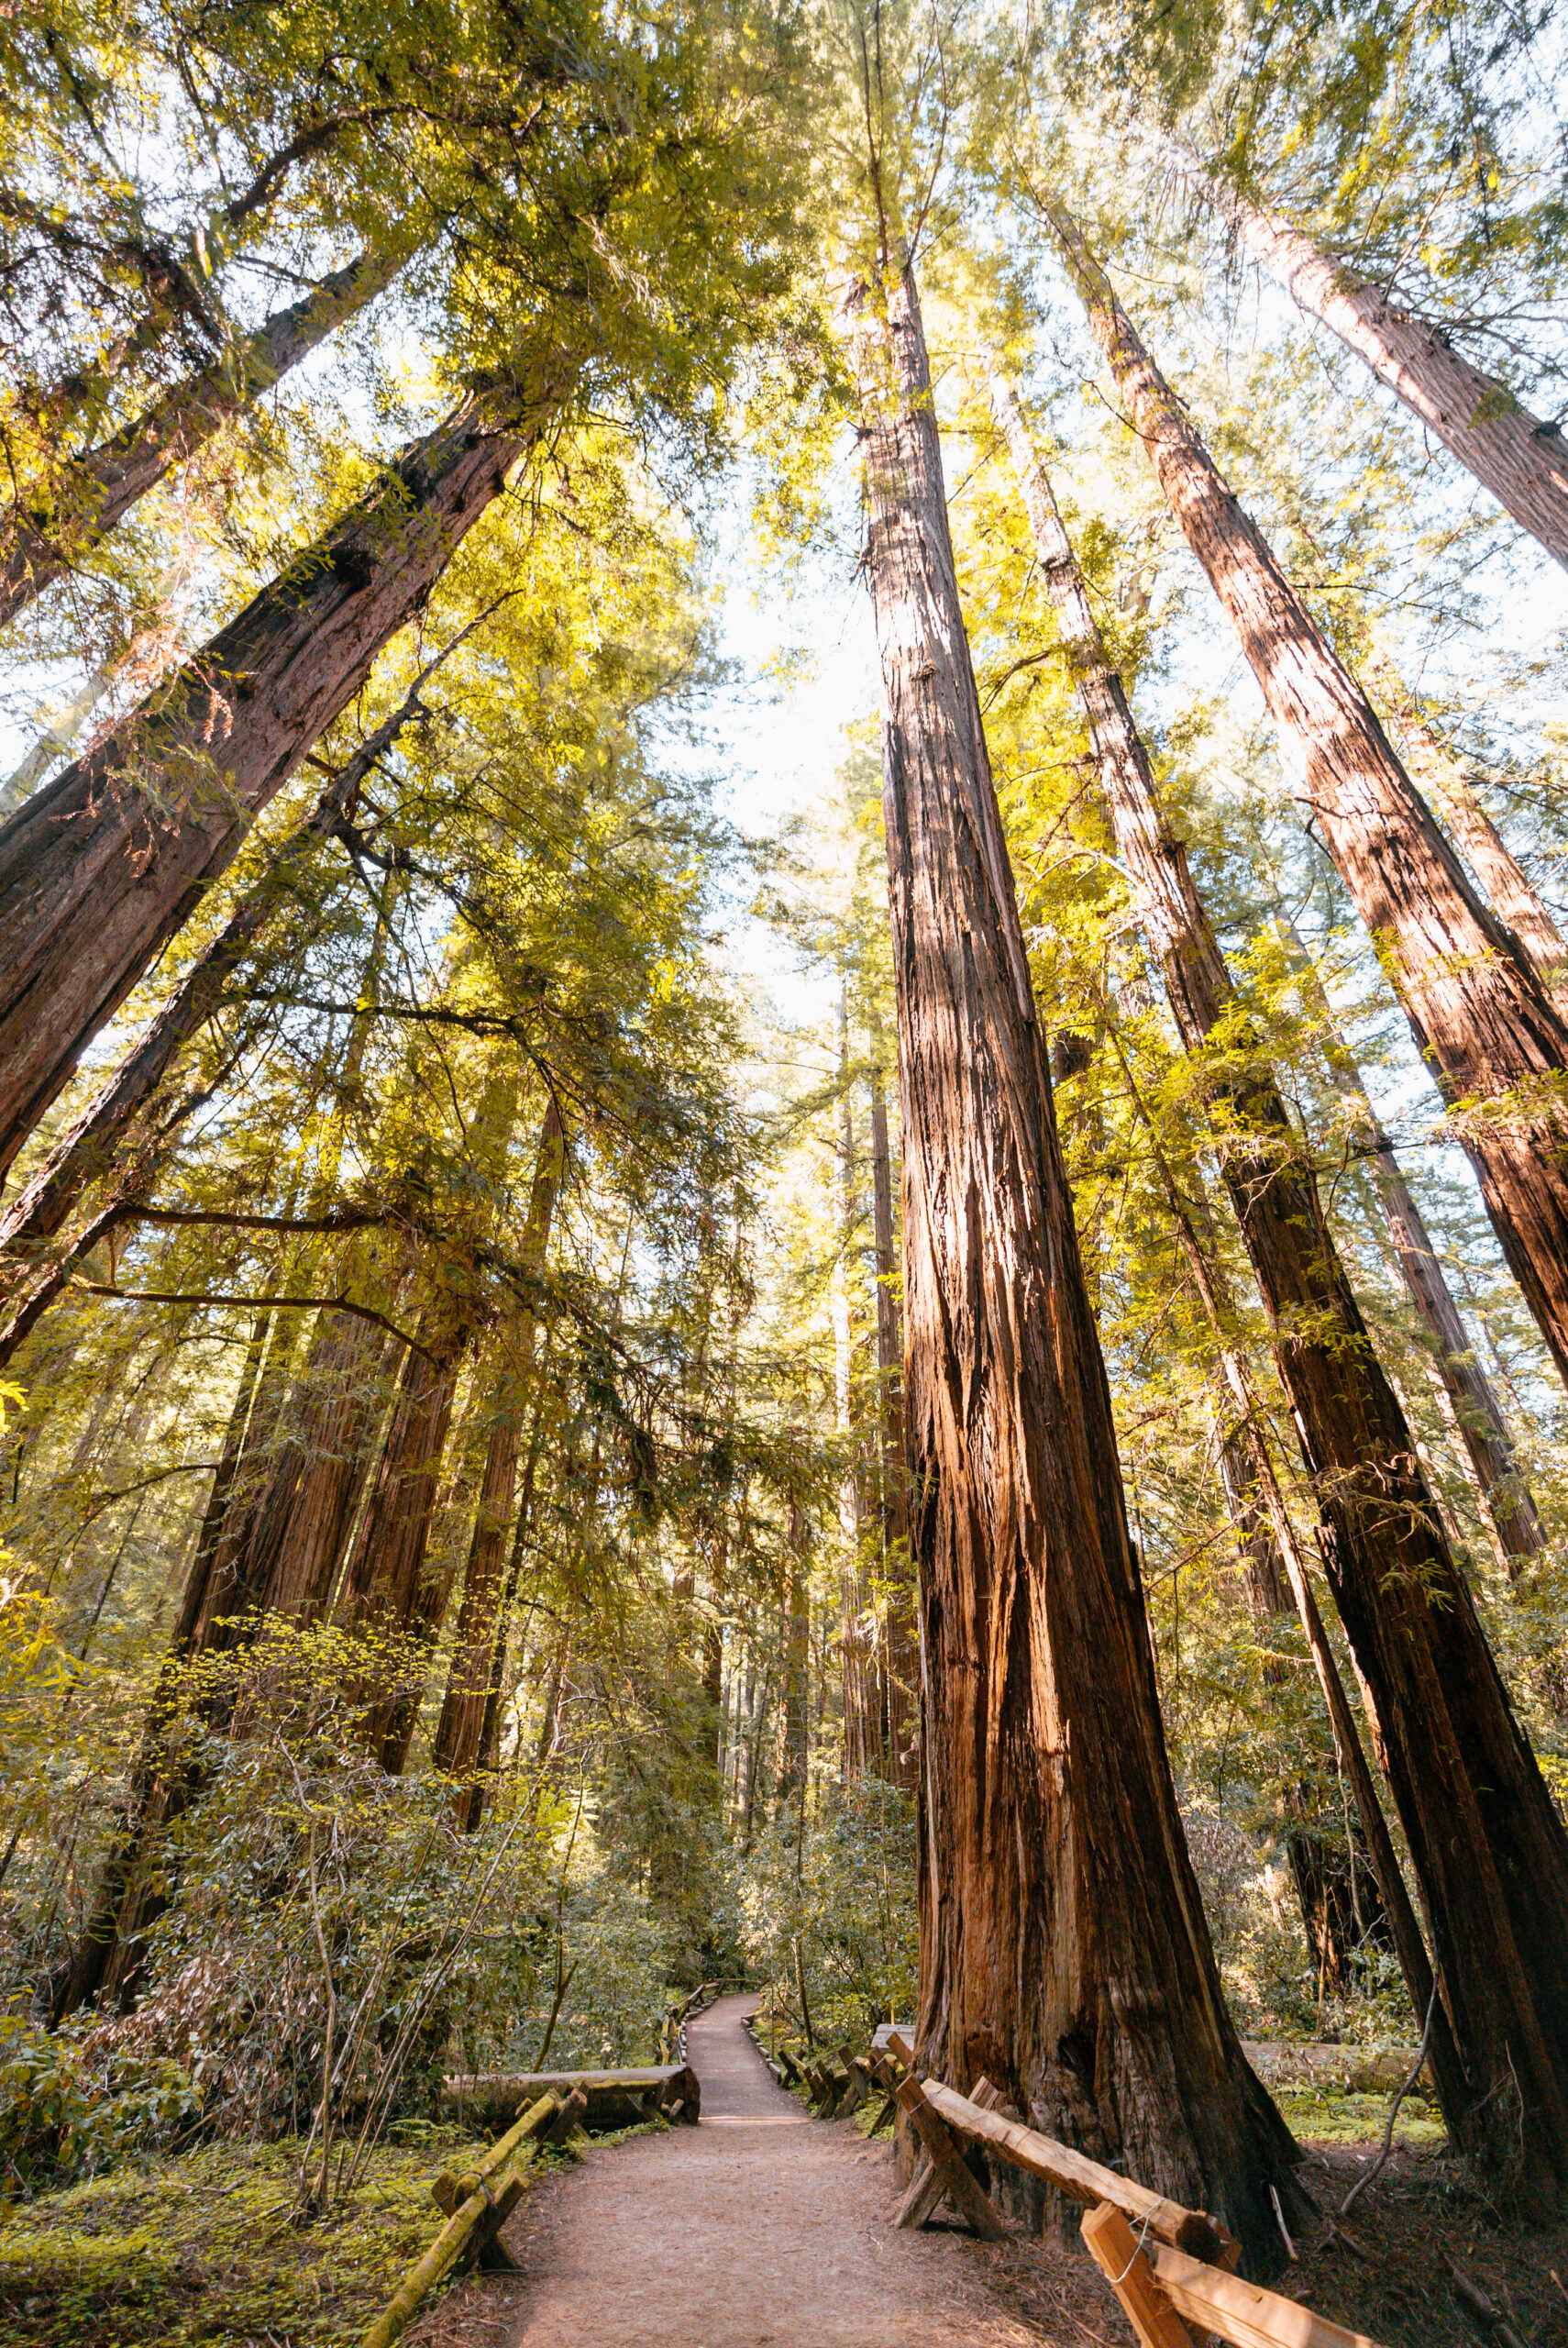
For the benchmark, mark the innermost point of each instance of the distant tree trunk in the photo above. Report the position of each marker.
(1489, 1849)
(48, 529)
(1523, 462)
(1341, 1908)
(1476, 1414)
(461, 1731)
(1511, 891)
(1064, 1950)
(900, 1666)
(790, 1780)
(24, 780)
(102, 865)
(1491, 1033)
(381, 1583)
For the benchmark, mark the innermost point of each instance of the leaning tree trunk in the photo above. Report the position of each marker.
(101, 867)
(90, 1148)
(1494, 1036)
(1523, 462)
(1488, 1847)
(44, 533)
(1064, 1950)
(460, 1732)
(1511, 891)
(1474, 1407)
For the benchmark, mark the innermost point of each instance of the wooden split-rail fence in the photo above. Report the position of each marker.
(1169, 2266)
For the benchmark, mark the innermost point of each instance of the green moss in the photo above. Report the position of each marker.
(1328, 2116)
(203, 2250)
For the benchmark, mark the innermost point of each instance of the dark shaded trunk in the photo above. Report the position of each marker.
(857, 1658)
(1475, 1412)
(1487, 1028)
(45, 535)
(106, 1959)
(790, 1776)
(381, 1581)
(101, 867)
(1064, 1950)
(1489, 1849)
(460, 1735)
(900, 1662)
(1523, 461)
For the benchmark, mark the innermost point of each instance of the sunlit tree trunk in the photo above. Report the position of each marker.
(1475, 1413)
(1523, 461)
(1489, 1849)
(49, 527)
(1491, 1035)
(102, 865)
(1064, 1950)
(1511, 894)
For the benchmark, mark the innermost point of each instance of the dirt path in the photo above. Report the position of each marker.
(760, 2229)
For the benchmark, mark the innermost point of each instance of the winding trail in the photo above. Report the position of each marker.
(759, 2229)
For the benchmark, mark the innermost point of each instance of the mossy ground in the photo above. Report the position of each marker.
(1325, 2115)
(203, 2250)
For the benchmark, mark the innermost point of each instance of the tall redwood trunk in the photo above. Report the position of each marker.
(1521, 461)
(1510, 892)
(900, 1662)
(1475, 1412)
(460, 1731)
(1489, 1849)
(91, 1147)
(1064, 1950)
(856, 1655)
(1492, 1034)
(46, 531)
(101, 867)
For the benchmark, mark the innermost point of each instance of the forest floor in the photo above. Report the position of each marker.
(760, 2229)
(764, 2229)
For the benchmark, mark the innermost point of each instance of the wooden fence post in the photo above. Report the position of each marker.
(1116, 2251)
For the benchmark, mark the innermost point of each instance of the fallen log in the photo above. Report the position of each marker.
(1082, 2179)
(610, 2098)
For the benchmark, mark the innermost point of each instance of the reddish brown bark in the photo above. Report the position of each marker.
(900, 1664)
(1489, 1849)
(1064, 1950)
(41, 540)
(101, 867)
(1474, 1412)
(1523, 461)
(1493, 1035)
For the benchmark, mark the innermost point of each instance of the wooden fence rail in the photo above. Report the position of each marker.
(1169, 2266)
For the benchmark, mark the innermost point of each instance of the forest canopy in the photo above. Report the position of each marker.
(783, 1062)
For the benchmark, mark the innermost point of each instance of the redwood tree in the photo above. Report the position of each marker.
(1487, 1844)
(1064, 1950)
(1494, 1035)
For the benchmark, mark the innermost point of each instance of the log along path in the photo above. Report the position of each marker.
(759, 2229)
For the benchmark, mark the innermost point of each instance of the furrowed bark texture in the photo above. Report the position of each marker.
(39, 543)
(1523, 461)
(460, 1732)
(100, 869)
(88, 1150)
(900, 1674)
(1489, 1849)
(1064, 1950)
(1490, 1032)
(1510, 892)
(1476, 1413)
